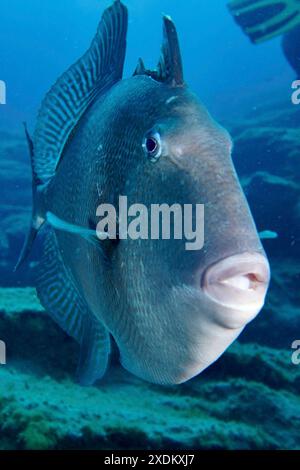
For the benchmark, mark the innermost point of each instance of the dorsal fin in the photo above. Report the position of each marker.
(169, 69)
(140, 68)
(97, 70)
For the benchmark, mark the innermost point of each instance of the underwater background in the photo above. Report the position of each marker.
(249, 399)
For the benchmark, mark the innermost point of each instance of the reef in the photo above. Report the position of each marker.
(249, 399)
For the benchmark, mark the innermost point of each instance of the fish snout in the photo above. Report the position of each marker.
(239, 282)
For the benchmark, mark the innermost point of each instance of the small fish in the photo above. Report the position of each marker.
(171, 312)
(268, 235)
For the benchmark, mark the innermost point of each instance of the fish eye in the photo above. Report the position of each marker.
(152, 146)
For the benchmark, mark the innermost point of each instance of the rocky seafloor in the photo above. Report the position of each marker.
(249, 399)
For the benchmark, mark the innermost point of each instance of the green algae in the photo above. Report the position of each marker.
(207, 412)
(15, 300)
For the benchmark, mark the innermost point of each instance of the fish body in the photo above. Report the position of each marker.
(172, 312)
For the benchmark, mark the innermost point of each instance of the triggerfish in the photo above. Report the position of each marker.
(171, 312)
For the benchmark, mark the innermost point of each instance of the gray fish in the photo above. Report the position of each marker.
(171, 312)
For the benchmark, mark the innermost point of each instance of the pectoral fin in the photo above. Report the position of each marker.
(86, 233)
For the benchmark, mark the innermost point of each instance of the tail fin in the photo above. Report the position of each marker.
(36, 220)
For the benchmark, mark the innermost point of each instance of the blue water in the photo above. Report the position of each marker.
(39, 40)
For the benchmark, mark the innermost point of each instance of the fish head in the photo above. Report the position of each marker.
(180, 308)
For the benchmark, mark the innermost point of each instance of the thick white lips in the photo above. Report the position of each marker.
(239, 282)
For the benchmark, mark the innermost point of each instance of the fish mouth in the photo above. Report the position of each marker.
(239, 282)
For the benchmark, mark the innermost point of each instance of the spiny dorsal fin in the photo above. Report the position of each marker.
(170, 64)
(97, 70)
(169, 69)
(140, 68)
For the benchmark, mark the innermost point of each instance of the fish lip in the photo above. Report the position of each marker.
(239, 282)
